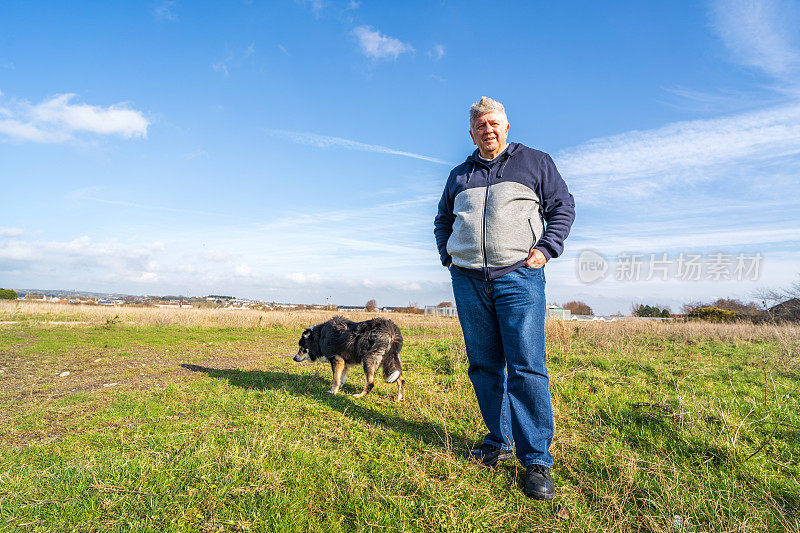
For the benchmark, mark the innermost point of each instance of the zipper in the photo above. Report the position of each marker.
(483, 233)
(485, 202)
(533, 235)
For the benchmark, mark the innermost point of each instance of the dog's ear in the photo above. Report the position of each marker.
(303, 342)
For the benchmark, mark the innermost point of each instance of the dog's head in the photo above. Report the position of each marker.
(305, 344)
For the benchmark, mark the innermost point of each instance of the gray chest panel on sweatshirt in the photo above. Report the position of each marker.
(511, 228)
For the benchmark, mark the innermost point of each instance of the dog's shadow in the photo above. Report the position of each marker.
(308, 386)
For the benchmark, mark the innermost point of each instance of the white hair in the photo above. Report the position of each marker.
(483, 106)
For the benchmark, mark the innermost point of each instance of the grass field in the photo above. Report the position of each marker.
(117, 419)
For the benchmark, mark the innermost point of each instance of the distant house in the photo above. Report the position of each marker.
(554, 311)
(601, 318)
(444, 310)
(788, 310)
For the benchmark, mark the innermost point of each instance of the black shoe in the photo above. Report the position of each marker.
(488, 454)
(538, 483)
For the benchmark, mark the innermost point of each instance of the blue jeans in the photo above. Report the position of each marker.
(503, 325)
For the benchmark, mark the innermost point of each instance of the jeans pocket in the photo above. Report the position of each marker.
(536, 273)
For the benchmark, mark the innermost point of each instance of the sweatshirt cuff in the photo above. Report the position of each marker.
(545, 252)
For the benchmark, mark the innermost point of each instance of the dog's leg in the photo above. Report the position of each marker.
(338, 367)
(401, 388)
(344, 376)
(369, 372)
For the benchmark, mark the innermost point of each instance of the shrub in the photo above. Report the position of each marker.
(713, 314)
(653, 311)
(578, 308)
(8, 294)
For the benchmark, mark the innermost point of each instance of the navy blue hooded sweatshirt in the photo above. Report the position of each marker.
(492, 214)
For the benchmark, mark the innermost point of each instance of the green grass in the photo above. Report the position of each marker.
(168, 428)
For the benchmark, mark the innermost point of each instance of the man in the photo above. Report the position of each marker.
(504, 213)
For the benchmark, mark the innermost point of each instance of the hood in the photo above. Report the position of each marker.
(474, 157)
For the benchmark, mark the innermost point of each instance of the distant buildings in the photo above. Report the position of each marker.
(441, 310)
(554, 311)
(174, 304)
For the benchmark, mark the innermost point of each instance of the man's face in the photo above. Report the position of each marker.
(489, 132)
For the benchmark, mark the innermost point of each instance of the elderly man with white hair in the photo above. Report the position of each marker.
(504, 213)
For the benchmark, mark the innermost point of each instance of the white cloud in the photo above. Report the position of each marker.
(58, 119)
(718, 101)
(284, 50)
(404, 286)
(114, 119)
(165, 10)
(724, 184)
(243, 270)
(641, 162)
(322, 141)
(667, 239)
(301, 278)
(6, 231)
(82, 253)
(146, 277)
(375, 45)
(23, 131)
(234, 59)
(91, 194)
(316, 6)
(189, 269)
(436, 53)
(761, 34)
(216, 256)
(15, 251)
(198, 154)
(263, 260)
(222, 66)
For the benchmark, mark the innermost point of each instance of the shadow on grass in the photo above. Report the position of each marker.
(652, 430)
(306, 386)
(654, 433)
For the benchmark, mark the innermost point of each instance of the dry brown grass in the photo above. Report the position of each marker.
(560, 333)
(610, 335)
(17, 311)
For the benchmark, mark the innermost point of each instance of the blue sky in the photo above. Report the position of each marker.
(296, 151)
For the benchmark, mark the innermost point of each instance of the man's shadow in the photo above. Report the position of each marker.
(306, 386)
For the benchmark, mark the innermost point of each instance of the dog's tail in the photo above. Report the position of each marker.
(392, 369)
